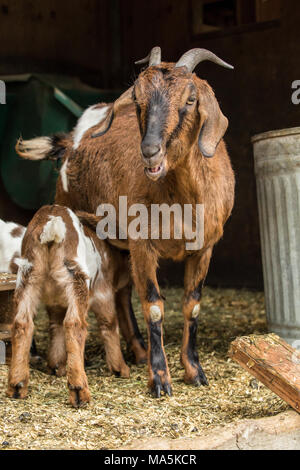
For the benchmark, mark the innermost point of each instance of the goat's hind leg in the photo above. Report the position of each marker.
(129, 326)
(26, 303)
(57, 356)
(75, 328)
(106, 315)
(195, 272)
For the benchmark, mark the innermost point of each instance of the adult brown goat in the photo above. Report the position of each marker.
(161, 133)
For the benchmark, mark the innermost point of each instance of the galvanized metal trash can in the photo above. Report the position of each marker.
(277, 168)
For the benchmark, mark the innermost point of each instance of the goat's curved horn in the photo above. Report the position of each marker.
(154, 58)
(120, 103)
(193, 57)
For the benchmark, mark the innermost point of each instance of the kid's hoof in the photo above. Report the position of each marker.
(18, 391)
(139, 352)
(141, 360)
(79, 396)
(125, 372)
(58, 371)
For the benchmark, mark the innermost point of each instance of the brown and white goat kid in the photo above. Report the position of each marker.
(11, 236)
(164, 146)
(65, 266)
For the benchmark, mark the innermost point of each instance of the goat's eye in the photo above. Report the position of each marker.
(191, 100)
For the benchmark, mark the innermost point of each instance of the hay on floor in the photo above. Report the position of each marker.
(123, 410)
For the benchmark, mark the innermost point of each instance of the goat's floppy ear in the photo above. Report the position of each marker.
(120, 103)
(213, 123)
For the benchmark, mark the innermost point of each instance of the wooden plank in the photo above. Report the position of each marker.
(7, 282)
(268, 10)
(7, 286)
(245, 12)
(5, 335)
(272, 361)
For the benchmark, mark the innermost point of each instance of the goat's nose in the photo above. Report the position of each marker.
(149, 150)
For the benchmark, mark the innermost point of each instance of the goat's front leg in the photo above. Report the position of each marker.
(144, 266)
(195, 273)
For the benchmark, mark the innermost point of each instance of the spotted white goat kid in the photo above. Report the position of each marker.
(11, 236)
(65, 266)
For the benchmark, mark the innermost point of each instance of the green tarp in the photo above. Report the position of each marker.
(39, 105)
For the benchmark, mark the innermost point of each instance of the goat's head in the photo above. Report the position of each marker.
(174, 110)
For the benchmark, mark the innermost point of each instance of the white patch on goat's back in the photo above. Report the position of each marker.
(90, 118)
(9, 246)
(64, 177)
(54, 230)
(88, 256)
(24, 266)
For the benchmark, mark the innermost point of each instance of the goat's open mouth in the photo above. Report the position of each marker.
(155, 172)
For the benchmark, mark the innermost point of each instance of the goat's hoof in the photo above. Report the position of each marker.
(125, 372)
(79, 396)
(120, 369)
(198, 379)
(140, 361)
(61, 371)
(18, 391)
(141, 357)
(139, 352)
(58, 370)
(161, 384)
(36, 360)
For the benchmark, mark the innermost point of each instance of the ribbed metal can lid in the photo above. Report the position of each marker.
(276, 133)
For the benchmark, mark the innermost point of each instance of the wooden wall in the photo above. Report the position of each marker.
(100, 40)
(64, 36)
(256, 97)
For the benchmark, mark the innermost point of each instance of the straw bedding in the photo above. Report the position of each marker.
(123, 410)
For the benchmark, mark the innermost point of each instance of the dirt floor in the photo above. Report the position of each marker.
(123, 411)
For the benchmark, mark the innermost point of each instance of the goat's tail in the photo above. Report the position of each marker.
(42, 148)
(53, 231)
(91, 220)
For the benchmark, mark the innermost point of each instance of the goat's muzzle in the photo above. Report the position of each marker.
(153, 160)
(150, 151)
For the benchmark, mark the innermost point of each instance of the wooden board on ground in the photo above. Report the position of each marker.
(7, 282)
(5, 333)
(272, 361)
(7, 286)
